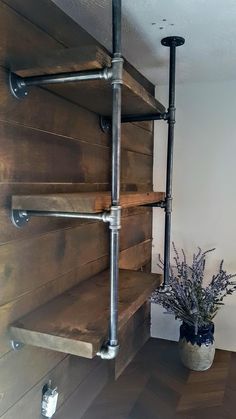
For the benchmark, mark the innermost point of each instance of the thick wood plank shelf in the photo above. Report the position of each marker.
(91, 202)
(76, 322)
(135, 98)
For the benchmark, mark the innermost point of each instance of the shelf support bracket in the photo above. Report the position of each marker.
(105, 121)
(19, 85)
(21, 217)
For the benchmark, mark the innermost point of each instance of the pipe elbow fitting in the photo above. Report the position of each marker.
(108, 352)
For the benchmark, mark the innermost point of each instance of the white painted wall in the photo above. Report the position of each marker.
(204, 186)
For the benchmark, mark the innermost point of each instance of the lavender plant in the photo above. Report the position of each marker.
(186, 297)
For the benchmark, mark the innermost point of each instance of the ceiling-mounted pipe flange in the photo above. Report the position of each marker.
(17, 86)
(173, 41)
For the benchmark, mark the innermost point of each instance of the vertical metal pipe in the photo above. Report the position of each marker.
(116, 27)
(113, 326)
(117, 63)
(169, 168)
(172, 43)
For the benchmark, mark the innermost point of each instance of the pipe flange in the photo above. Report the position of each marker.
(16, 346)
(17, 86)
(105, 124)
(19, 218)
(173, 41)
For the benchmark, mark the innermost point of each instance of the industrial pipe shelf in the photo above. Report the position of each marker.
(135, 98)
(88, 202)
(76, 321)
(94, 80)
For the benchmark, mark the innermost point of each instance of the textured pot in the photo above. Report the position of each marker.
(197, 351)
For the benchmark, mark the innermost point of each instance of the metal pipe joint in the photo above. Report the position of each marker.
(114, 217)
(108, 351)
(168, 204)
(117, 69)
(171, 115)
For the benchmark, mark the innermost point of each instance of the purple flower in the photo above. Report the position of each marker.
(186, 297)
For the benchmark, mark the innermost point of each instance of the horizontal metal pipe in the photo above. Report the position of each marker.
(102, 216)
(148, 117)
(104, 74)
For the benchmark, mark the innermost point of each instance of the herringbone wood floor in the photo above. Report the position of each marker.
(156, 386)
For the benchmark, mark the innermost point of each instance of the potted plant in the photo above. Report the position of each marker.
(195, 304)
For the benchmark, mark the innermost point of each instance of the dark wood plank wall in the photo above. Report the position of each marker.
(48, 144)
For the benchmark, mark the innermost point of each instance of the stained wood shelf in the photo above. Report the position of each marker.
(76, 322)
(91, 202)
(135, 98)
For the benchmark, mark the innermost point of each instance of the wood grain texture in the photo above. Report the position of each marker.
(65, 324)
(56, 115)
(31, 365)
(30, 263)
(20, 306)
(136, 256)
(156, 385)
(19, 35)
(136, 138)
(65, 30)
(67, 375)
(83, 396)
(68, 371)
(132, 337)
(91, 202)
(87, 57)
(66, 160)
(136, 99)
(51, 145)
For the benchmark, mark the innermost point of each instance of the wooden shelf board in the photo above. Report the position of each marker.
(91, 202)
(76, 322)
(93, 95)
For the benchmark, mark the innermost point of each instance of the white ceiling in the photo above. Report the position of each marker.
(209, 27)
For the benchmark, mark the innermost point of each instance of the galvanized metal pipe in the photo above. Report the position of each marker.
(19, 85)
(110, 350)
(117, 65)
(21, 217)
(67, 77)
(83, 215)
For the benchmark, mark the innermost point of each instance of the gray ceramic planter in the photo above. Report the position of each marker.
(197, 351)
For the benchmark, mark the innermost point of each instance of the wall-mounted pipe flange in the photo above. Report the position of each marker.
(19, 218)
(16, 346)
(105, 124)
(17, 86)
(173, 41)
